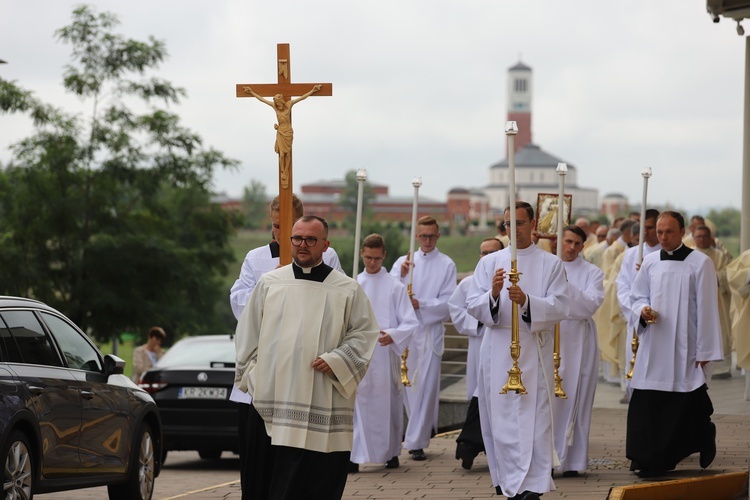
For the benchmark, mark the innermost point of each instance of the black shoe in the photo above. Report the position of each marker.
(647, 473)
(353, 468)
(392, 463)
(418, 455)
(498, 490)
(570, 473)
(527, 495)
(466, 455)
(708, 453)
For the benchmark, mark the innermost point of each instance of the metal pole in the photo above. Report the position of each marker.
(745, 218)
(361, 178)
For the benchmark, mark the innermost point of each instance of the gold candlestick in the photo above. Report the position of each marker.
(404, 370)
(634, 347)
(514, 374)
(559, 392)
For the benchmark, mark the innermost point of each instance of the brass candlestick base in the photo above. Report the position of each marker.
(634, 347)
(514, 374)
(559, 392)
(404, 375)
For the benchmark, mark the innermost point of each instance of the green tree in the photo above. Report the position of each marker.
(107, 216)
(255, 203)
(349, 196)
(727, 221)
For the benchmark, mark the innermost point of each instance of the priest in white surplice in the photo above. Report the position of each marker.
(469, 442)
(433, 282)
(674, 296)
(303, 343)
(379, 407)
(517, 429)
(579, 353)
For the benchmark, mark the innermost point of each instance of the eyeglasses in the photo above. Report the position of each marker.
(310, 241)
(427, 236)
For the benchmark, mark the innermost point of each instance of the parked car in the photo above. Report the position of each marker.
(191, 384)
(69, 418)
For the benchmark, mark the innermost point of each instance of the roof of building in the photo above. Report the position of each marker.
(533, 156)
(519, 67)
(458, 190)
(614, 195)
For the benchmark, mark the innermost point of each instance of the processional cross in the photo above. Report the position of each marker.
(282, 93)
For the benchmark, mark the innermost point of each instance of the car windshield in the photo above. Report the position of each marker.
(199, 352)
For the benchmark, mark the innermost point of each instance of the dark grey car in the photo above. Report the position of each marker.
(69, 418)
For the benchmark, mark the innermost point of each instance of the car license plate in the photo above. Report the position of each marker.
(202, 393)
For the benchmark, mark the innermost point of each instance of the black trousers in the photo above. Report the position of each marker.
(666, 427)
(471, 434)
(284, 473)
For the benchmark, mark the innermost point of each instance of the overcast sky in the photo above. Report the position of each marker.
(419, 87)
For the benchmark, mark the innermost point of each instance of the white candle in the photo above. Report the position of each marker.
(646, 173)
(416, 182)
(511, 129)
(361, 178)
(561, 170)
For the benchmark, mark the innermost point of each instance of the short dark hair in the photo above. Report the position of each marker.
(627, 224)
(652, 213)
(675, 215)
(526, 206)
(703, 227)
(297, 207)
(576, 230)
(492, 238)
(310, 218)
(157, 331)
(373, 240)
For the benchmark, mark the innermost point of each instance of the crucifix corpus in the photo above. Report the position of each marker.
(282, 93)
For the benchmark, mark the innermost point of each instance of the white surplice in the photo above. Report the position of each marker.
(379, 407)
(466, 324)
(517, 429)
(433, 282)
(579, 365)
(685, 295)
(624, 282)
(284, 327)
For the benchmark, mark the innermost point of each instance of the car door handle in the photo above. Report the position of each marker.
(88, 394)
(36, 391)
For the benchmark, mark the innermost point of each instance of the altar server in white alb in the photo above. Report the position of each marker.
(579, 365)
(517, 428)
(304, 341)
(433, 282)
(469, 442)
(675, 296)
(379, 408)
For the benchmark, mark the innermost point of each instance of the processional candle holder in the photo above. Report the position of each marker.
(561, 169)
(416, 182)
(646, 174)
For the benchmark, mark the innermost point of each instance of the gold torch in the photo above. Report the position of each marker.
(417, 183)
(514, 374)
(562, 169)
(646, 173)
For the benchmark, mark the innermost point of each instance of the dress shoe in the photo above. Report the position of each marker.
(570, 473)
(624, 400)
(647, 473)
(418, 455)
(353, 467)
(392, 463)
(466, 455)
(708, 453)
(527, 495)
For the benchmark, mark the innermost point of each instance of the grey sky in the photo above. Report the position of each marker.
(420, 87)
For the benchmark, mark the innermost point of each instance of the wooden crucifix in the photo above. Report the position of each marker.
(282, 93)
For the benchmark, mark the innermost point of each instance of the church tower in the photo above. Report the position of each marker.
(519, 103)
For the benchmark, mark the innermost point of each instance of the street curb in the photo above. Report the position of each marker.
(718, 487)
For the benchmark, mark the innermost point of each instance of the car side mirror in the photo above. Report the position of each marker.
(113, 365)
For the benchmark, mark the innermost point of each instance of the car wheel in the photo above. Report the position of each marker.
(140, 484)
(18, 477)
(209, 454)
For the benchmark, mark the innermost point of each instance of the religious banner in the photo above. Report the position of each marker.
(546, 210)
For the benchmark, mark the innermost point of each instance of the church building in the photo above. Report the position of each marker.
(535, 168)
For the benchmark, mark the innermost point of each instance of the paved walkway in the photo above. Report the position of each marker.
(441, 476)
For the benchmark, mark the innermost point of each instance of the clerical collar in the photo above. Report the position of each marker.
(274, 247)
(316, 273)
(679, 253)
